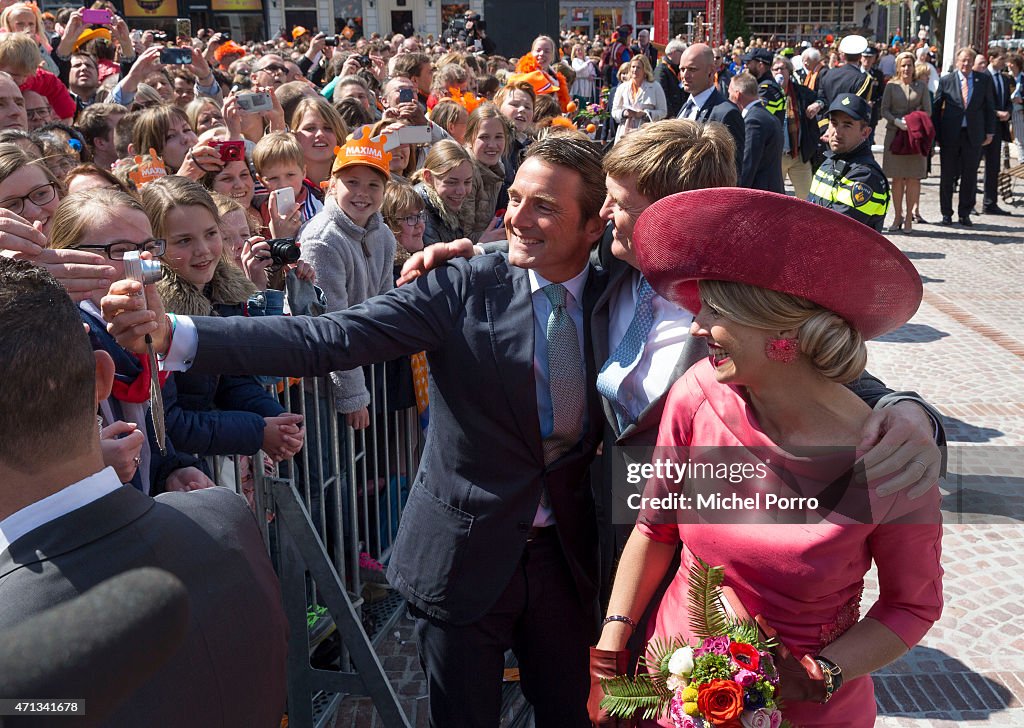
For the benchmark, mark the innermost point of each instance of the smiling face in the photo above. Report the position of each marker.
(543, 52)
(452, 187)
(359, 192)
(234, 231)
(489, 144)
(736, 350)
(180, 138)
(24, 182)
(399, 158)
(235, 181)
(622, 206)
(316, 137)
(518, 108)
(194, 244)
(546, 229)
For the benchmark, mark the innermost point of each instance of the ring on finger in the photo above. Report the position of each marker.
(137, 460)
(918, 462)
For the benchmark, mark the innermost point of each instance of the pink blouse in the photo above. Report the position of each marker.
(805, 578)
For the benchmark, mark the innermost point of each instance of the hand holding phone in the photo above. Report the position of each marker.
(175, 56)
(284, 201)
(255, 102)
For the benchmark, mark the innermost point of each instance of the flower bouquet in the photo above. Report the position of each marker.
(727, 680)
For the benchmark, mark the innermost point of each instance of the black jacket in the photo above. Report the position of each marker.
(762, 151)
(948, 110)
(667, 76)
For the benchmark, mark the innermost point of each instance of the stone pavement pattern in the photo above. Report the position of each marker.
(964, 352)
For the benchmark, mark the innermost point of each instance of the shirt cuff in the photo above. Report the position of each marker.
(184, 344)
(210, 90)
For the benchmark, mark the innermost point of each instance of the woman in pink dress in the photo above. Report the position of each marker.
(786, 299)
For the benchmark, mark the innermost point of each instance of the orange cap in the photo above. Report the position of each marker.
(298, 31)
(228, 48)
(361, 149)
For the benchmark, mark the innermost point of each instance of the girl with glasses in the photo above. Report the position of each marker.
(28, 188)
(405, 213)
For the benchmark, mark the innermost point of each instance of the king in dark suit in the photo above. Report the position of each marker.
(762, 150)
(965, 121)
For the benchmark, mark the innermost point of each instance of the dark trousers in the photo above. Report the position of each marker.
(542, 620)
(960, 160)
(993, 162)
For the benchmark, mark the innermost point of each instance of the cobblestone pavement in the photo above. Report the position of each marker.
(964, 352)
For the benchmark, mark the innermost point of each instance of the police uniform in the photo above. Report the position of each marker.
(847, 78)
(771, 94)
(852, 183)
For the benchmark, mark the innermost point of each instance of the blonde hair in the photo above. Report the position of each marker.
(641, 60)
(835, 349)
(447, 76)
(165, 194)
(482, 113)
(39, 35)
(226, 205)
(78, 211)
(446, 113)
(195, 108)
(905, 55)
(327, 112)
(279, 147)
(443, 157)
(19, 52)
(400, 197)
(674, 155)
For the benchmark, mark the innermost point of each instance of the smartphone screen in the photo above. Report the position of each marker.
(405, 95)
(184, 27)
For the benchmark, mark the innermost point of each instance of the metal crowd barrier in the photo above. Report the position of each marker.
(315, 543)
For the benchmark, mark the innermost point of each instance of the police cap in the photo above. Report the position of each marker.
(759, 54)
(852, 105)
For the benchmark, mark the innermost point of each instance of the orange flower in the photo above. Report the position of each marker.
(721, 702)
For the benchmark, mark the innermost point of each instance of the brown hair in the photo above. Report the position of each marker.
(480, 114)
(151, 127)
(78, 211)
(442, 158)
(163, 195)
(446, 113)
(578, 155)
(398, 198)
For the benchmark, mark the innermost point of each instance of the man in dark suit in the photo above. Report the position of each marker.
(67, 524)
(666, 74)
(705, 104)
(847, 78)
(762, 148)
(1002, 90)
(498, 547)
(965, 121)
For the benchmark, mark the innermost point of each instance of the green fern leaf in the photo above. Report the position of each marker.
(625, 696)
(708, 617)
(659, 652)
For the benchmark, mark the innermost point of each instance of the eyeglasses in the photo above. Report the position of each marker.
(39, 196)
(116, 251)
(274, 68)
(39, 113)
(412, 220)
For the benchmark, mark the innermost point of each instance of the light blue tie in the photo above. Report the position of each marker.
(565, 376)
(627, 354)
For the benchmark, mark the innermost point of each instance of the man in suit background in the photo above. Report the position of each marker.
(1002, 89)
(965, 121)
(761, 168)
(666, 74)
(706, 103)
(67, 524)
(498, 547)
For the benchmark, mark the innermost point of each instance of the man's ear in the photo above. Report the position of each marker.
(104, 375)
(131, 149)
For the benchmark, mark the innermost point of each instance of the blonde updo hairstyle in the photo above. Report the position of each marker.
(833, 347)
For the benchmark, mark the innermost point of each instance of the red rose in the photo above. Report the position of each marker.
(745, 655)
(720, 702)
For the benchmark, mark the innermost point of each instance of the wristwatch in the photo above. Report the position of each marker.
(833, 676)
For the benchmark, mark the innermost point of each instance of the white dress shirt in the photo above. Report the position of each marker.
(698, 103)
(58, 504)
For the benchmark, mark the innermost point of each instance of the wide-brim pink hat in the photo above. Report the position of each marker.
(781, 243)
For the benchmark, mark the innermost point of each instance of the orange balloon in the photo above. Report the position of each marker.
(571, 107)
(591, 128)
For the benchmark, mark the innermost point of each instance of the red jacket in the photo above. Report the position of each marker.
(46, 84)
(921, 132)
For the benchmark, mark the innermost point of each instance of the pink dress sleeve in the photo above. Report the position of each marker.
(676, 429)
(907, 554)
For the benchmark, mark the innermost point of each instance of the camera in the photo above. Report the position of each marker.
(145, 272)
(253, 102)
(284, 250)
(230, 151)
(331, 41)
(364, 61)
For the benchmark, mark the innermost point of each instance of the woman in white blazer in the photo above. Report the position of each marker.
(638, 99)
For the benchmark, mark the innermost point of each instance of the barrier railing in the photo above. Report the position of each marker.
(329, 517)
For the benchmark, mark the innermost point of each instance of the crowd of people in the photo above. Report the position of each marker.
(313, 204)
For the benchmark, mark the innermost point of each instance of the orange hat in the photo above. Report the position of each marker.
(363, 150)
(298, 31)
(91, 34)
(49, 16)
(228, 48)
(538, 79)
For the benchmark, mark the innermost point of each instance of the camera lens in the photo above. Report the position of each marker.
(284, 251)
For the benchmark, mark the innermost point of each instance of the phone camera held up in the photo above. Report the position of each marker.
(331, 41)
(284, 250)
(145, 272)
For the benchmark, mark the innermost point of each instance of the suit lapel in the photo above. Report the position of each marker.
(510, 316)
(73, 530)
(712, 101)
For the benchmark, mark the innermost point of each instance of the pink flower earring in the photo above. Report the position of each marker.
(783, 350)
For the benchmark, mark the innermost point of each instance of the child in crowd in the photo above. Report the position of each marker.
(280, 163)
(488, 136)
(444, 183)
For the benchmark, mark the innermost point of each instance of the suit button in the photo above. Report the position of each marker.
(523, 526)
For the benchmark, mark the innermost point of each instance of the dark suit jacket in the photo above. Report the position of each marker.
(667, 76)
(230, 669)
(719, 108)
(472, 504)
(762, 151)
(1001, 100)
(948, 110)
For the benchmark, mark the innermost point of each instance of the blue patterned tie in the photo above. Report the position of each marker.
(626, 355)
(565, 376)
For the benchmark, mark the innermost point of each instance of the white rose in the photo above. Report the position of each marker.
(681, 662)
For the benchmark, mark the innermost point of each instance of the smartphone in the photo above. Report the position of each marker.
(331, 41)
(284, 200)
(414, 134)
(253, 102)
(175, 56)
(405, 95)
(230, 151)
(183, 28)
(97, 17)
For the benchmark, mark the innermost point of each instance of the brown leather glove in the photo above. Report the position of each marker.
(799, 680)
(606, 664)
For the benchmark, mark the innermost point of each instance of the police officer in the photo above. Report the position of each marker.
(847, 78)
(850, 180)
(759, 64)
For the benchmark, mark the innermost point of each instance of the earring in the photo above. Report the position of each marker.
(783, 350)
